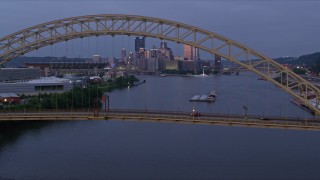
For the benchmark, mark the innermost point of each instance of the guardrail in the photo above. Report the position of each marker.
(168, 116)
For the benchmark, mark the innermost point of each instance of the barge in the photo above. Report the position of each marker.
(204, 98)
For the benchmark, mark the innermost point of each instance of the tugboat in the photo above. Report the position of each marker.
(212, 96)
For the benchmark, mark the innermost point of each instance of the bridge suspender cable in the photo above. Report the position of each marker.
(29, 39)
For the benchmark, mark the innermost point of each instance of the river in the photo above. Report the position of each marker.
(151, 150)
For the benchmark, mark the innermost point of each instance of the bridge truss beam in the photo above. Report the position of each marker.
(29, 39)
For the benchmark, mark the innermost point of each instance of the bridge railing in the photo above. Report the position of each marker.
(166, 116)
(234, 120)
(147, 111)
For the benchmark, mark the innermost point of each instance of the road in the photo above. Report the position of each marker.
(169, 116)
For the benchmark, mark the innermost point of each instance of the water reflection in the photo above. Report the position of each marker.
(11, 131)
(150, 150)
(233, 92)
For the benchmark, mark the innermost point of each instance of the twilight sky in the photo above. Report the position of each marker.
(272, 27)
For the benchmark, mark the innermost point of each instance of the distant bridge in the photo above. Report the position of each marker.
(32, 38)
(168, 116)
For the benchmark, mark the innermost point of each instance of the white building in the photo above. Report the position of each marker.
(96, 58)
(36, 86)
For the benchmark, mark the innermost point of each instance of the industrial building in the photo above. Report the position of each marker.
(36, 86)
(18, 74)
(61, 68)
(9, 98)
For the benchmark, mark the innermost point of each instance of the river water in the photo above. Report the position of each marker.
(152, 150)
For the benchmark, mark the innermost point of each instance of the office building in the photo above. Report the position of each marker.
(19, 74)
(165, 52)
(152, 64)
(123, 55)
(191, 53)
(188, 65)
(154, 51)
(163, 45)
(142, 64)
(139, 42)
(172, 65)
(217, 62)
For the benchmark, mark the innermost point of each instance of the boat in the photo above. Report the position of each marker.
(213, 93)
(195, 98)
(212, 96)
(226, 71)
(203, 98)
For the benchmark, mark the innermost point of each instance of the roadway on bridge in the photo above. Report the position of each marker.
(168, 116)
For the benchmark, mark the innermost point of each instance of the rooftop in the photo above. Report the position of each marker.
(7, 95)
(51, 79)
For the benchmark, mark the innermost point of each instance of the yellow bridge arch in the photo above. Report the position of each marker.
(29, 39)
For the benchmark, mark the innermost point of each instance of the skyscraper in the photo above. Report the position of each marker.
(187, 52)
(123, 54)
(163, 45)
(217, 62)
(154, 51)
(139, 42)
(196, 54)
(191, 53)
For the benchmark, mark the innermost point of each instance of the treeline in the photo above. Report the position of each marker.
(118, 83)
(77, 98)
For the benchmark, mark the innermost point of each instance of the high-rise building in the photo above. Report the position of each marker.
(196, 54)
(191, 53)
(139, 43)
(142, 63)
(165, 51)
(154, 51)
(123, 54)
(188, 52)
(163, 45)
(130, 57)
(152, 64)
(147, 54)
(217, 62)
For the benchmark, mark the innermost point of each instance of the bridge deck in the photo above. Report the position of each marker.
(159, 116)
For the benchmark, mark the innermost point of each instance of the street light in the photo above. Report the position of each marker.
(193, 113)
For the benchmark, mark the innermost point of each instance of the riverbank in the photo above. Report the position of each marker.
(78, 98)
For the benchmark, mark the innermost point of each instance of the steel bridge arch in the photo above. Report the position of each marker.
(32, 38)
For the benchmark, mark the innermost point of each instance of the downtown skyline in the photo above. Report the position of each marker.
(282, 28)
